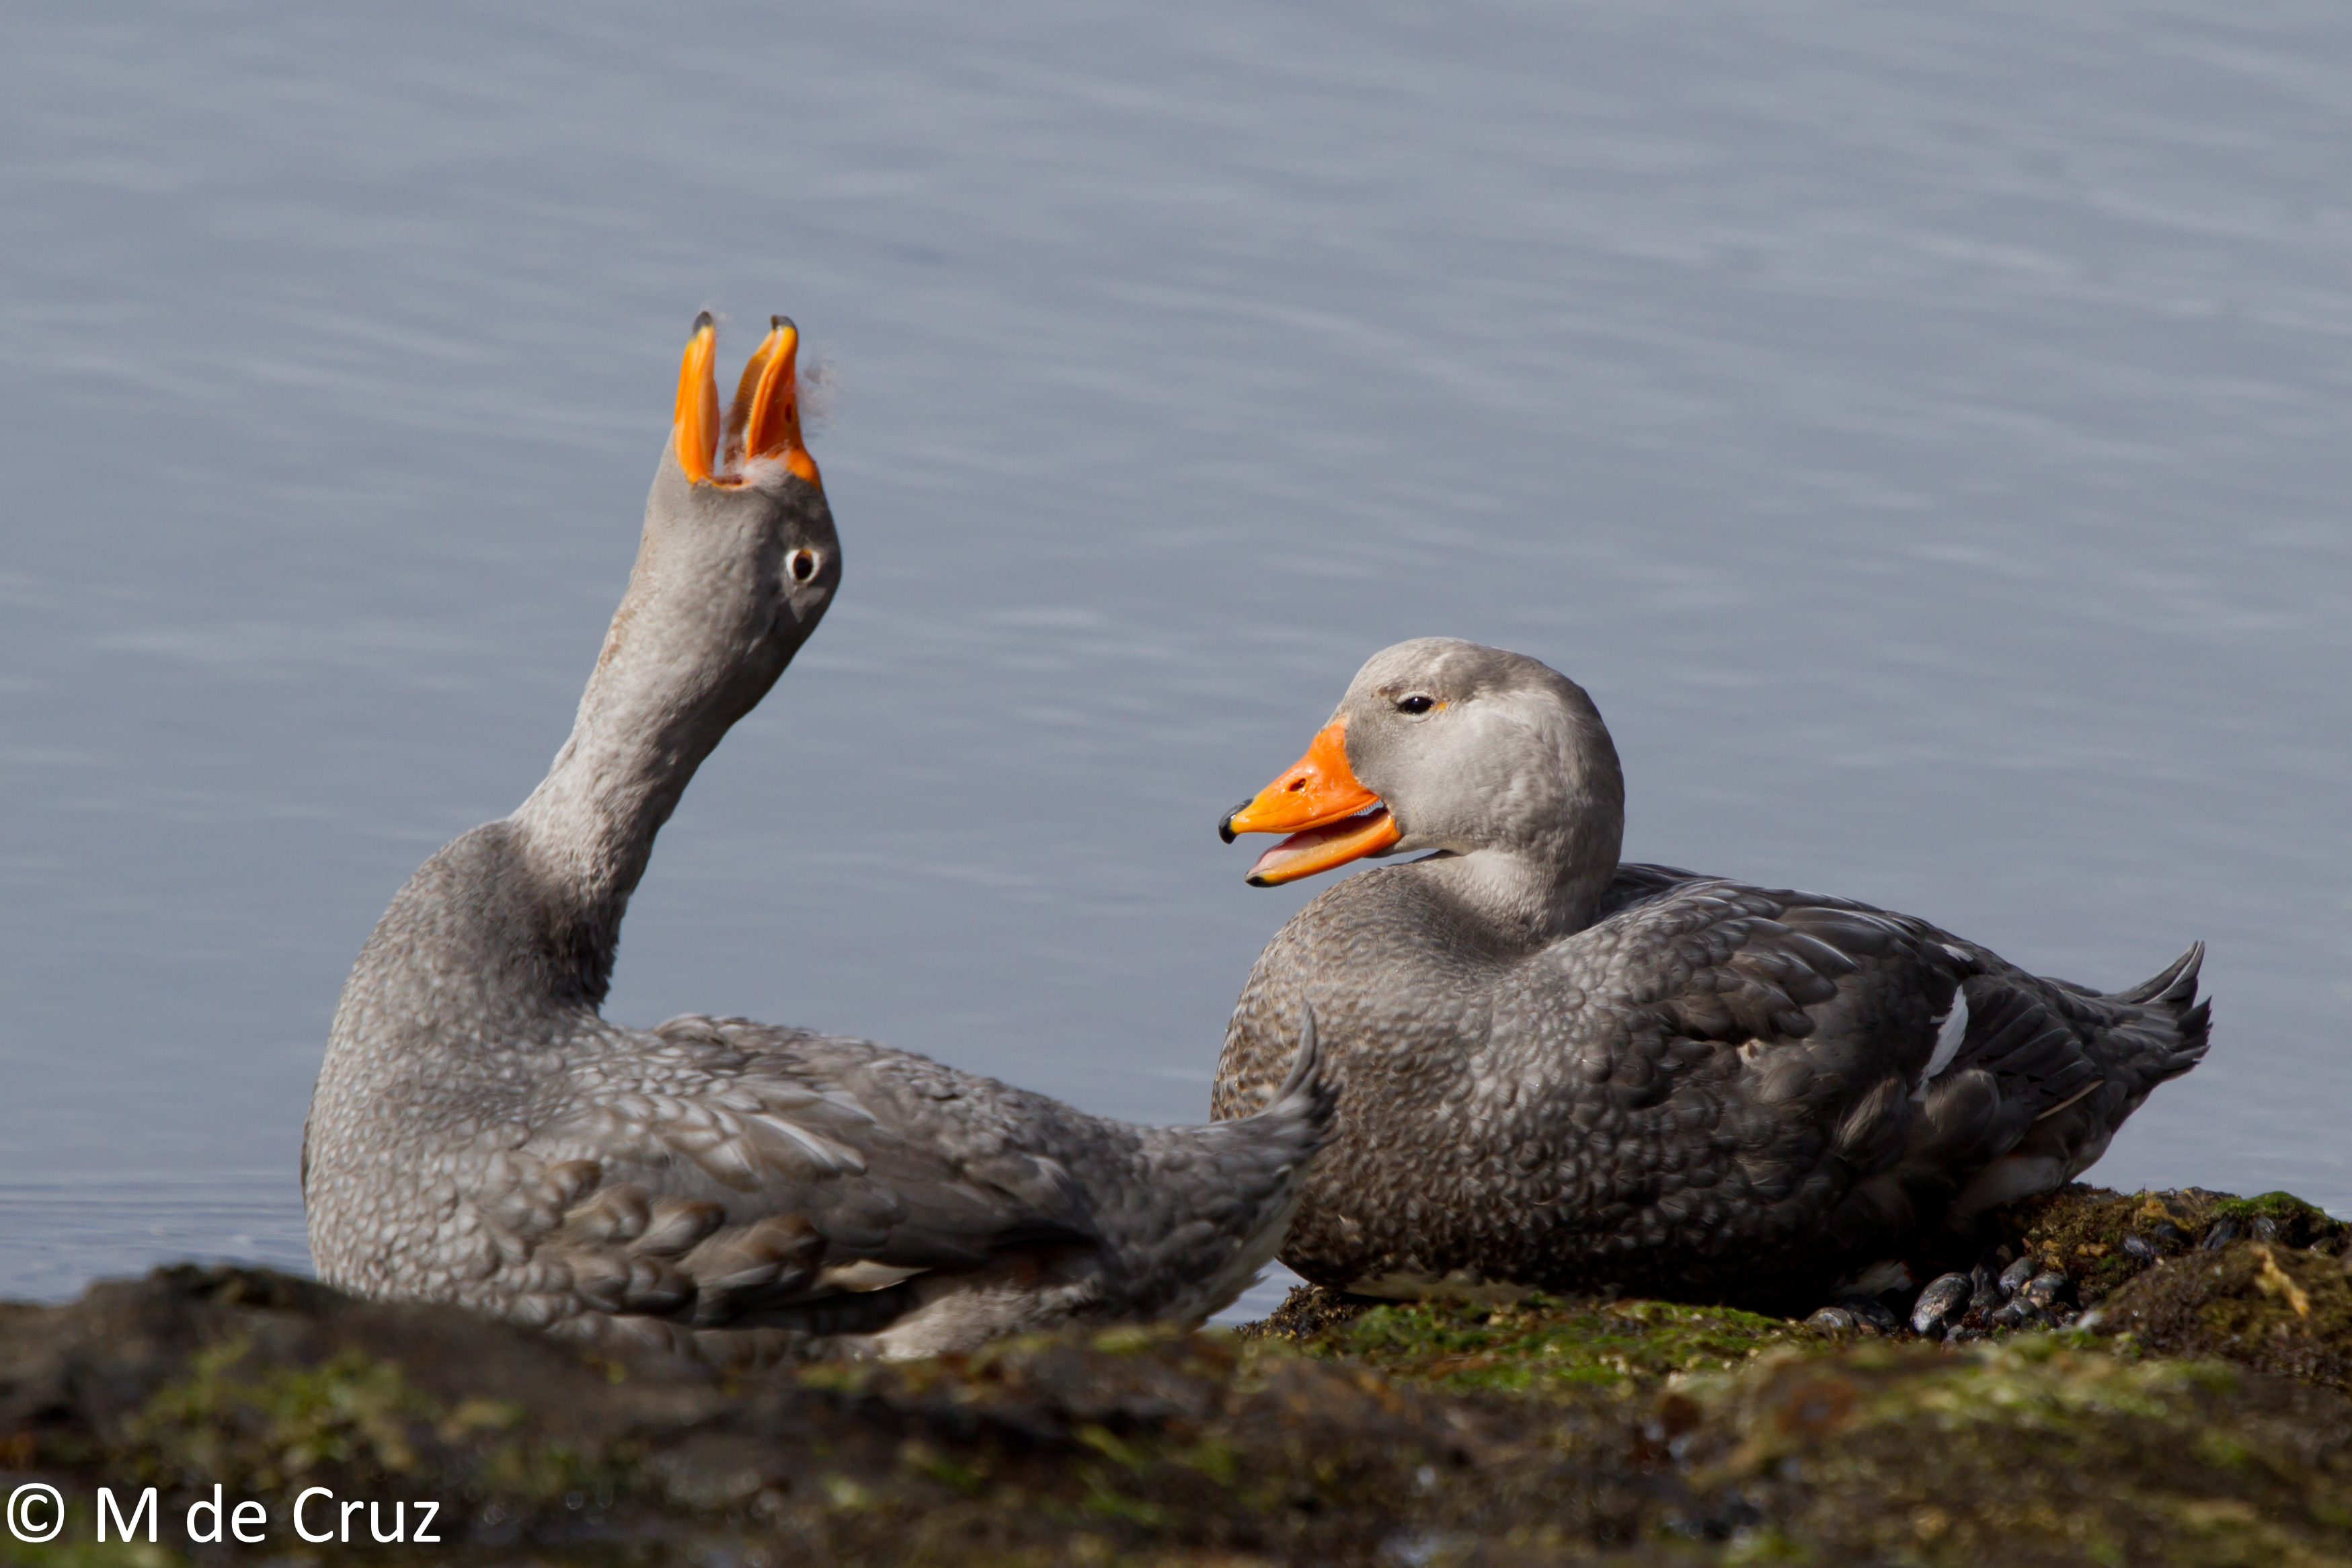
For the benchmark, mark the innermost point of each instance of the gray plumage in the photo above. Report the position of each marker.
(480, 1134)
(1557, 1071)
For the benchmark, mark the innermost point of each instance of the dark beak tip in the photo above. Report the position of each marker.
(1257, 881)
(1225, 829)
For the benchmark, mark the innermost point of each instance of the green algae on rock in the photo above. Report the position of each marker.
(2271, 1307)
(2086, 1231)
(2294, 1221)
(1635, 1434)
(2032, 1452)
(1069, 1449)
(1536, 1344)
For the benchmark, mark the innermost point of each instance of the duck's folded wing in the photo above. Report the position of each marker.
(1903, 1045)
(718, 1187)
(1733, 965)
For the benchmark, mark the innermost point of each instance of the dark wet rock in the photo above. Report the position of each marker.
(2222, 1232)
(1307, 1311)
(1871, 1313)
(2079, 1231)
(1985, 1292)
(2169, 1235)
(1341, 1431)
(2277, 1309)
(1834, 1321)
(2283, 1217)
(2013, 1277)
(1940, 1303)
(1080, 1448)
(2047, 1288)
(2024, 1452)
(2085, 1232)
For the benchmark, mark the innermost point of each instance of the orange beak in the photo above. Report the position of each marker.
(1317, 801)
(763, 423)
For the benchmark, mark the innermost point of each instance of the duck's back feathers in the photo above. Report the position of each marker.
(747, 1191)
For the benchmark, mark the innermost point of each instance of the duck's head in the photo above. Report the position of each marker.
(739, 560)
(1444, 745)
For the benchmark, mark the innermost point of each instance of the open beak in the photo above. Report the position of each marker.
(764, 421)
(1318, 802)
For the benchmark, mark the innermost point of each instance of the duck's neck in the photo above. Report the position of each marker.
(646, 723)
(1526, 900)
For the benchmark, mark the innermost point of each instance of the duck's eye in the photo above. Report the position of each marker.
(802, 563)
(1419, 702)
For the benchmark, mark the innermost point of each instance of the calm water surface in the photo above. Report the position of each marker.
(1927, 435)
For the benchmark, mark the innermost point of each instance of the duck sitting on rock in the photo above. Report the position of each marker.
(1558, 1071)
(480, 1134)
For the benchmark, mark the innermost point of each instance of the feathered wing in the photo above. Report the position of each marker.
(1884, 1066)
(1744, 1058)
(2126, 1044)
(727, 1174)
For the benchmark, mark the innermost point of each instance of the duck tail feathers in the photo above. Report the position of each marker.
(1306, 1094)
(1211, 1204)
(2176, 981)
(2173, 1025)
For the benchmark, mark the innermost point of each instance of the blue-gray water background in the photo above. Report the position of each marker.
(1924, 430)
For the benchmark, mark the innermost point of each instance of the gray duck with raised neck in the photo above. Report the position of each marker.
(1558, 1071)
(480, 1134)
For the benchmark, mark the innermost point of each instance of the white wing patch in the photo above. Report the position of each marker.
(1948, 1043)
(864, 1274)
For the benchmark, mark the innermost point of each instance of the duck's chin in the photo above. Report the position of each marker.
(1321, 847)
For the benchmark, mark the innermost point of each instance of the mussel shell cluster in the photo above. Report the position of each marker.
(2005, 1293)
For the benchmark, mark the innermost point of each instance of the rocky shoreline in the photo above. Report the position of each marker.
(2197, 1410)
